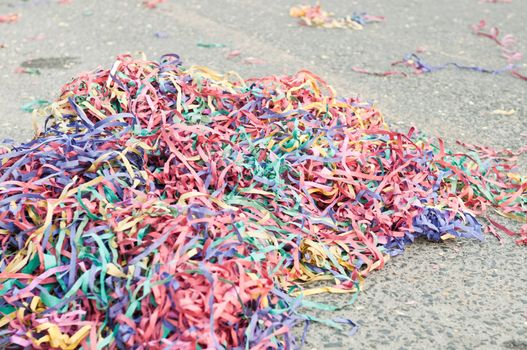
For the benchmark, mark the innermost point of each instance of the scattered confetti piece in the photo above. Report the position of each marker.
(211, 45)
(503, 112)
(314, 16)
(507, 45)
(161, 35)
(232, 54)
(166, 206)
(10, 18)
(253, 60)
(34, 105)
(518, 75)
(152, 4)
(30, 71)
(419, 66)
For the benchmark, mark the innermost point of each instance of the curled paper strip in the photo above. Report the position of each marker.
(417, 65)
(166, 206)
(315, 16)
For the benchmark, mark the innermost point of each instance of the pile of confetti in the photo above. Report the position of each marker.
(166, 206)
(314, 16)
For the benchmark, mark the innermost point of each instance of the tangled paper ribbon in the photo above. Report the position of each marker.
(166, 207)
(417, 65)
(315, 16)
(507, 44)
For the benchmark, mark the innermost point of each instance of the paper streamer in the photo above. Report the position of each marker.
(315, 16)
(166, 206)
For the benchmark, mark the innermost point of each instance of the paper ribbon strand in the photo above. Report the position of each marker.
(166, 206)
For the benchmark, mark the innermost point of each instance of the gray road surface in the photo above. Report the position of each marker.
(459, 295)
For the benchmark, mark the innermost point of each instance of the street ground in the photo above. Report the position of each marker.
(457, 295)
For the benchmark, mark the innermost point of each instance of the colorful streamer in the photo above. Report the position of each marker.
(507, 45)
(418, 65)
(314, 16)
(166, 206)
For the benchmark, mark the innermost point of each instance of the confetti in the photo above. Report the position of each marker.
(419, 66)
(30, 71)
(161, 35)
(314, 16)
(253, 60)
(507, 45)
(33, 105)
(378, 74)
(210, 45)
(10, 18)
(165, 206)
(503, 112)
(232, 54)
(152, 4)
